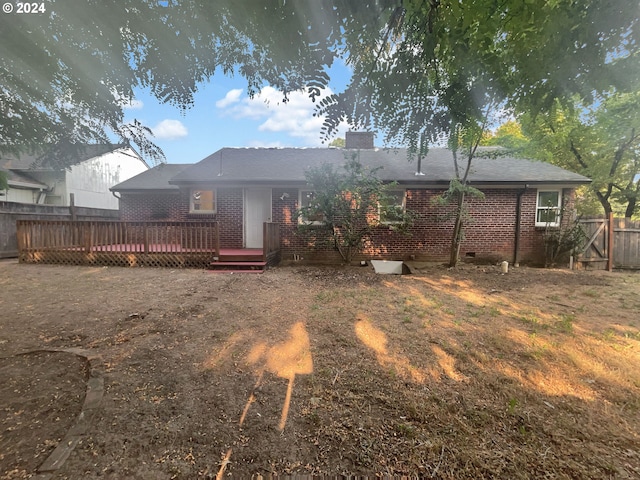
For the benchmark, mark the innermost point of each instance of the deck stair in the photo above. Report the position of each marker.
(239, 261)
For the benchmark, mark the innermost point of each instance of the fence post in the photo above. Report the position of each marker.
(72, 207)
(610, 242)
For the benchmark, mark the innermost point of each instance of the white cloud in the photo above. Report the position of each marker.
(232, 96)
(294, 117)
(133, 104)
(169, 130)
(127, 103)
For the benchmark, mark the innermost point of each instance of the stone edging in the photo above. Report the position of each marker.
(92, 399)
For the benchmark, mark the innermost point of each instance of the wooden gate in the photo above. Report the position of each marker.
(613, 243)
(595, 253)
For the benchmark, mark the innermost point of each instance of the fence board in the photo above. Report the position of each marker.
(627, 243)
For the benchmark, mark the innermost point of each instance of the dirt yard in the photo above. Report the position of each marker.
(463, 373)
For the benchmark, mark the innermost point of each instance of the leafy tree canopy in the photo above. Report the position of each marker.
(443, 64)
(601, 141)
(68, 73)
(508, 135)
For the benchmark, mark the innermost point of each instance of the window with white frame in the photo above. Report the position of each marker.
(548, 208)
(306, 200)
(202, 201)
(392, 211)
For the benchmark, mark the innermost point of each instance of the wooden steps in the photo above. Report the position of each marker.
(239, 261)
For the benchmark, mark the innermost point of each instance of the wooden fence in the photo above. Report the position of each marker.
(626, 243)
(10, 212)
(115, 243)
(611, 243)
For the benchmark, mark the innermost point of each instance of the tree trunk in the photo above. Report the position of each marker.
(456, 239)
(604, 201)
(631, 208)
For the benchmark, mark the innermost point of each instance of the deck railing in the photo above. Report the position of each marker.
(115, 242)
(271, 243)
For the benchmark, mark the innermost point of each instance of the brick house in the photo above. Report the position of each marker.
(243, 187)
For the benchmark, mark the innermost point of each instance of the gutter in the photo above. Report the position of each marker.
(516, 243)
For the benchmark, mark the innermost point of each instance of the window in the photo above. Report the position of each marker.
(548, 208)
(393, 209)
(203, 201)
(307, 198)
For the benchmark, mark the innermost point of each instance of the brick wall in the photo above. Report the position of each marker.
(175, 207)
(489, 231)
(150, 206)
(359, 140)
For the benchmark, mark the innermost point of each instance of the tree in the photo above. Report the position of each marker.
(440, 67)
(4, 183)
(68, 72)
(338, 143)
(508, 135)
(601, 141)
(348, 204)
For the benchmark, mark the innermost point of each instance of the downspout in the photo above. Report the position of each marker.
(516, 243)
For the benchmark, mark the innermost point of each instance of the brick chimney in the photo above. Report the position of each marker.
(359, 140)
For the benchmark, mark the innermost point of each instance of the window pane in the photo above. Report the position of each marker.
(548, 199)
(393, 210)
(547, 215)
(203, 200)
(307, 199)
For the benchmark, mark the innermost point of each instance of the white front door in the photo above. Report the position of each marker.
(257, 210)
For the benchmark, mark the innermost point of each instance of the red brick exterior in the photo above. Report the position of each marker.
(489, 230)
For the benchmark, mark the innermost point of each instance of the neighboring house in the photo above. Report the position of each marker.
(243, 187)
(88, 179)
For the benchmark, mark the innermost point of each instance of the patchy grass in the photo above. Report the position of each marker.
(461, 373)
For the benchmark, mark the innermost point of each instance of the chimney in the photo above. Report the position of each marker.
(359, 140)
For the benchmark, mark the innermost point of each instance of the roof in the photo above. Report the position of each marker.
(26, 161)
(288, 165)
(156, 178)
(19, 179)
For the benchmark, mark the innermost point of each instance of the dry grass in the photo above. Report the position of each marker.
(441, 374)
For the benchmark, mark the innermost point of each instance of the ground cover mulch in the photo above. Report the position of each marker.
(465, 373)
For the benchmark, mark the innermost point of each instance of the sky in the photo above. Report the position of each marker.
(223, 115)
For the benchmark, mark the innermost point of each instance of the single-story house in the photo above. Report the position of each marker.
(242, 188)
(89, 178)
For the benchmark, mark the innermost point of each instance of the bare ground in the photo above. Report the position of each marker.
(463, 373)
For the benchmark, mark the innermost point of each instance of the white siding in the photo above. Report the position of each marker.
(90, 181)
(20, 195)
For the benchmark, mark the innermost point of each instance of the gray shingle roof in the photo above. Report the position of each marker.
(288, 165)
(156, 178)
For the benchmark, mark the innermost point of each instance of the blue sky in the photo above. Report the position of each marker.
(224, 116)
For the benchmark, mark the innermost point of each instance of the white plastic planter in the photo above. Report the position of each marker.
(387, 267)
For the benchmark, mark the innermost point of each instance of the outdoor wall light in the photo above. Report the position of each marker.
(284, 195)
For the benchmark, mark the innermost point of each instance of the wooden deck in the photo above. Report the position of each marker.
(149, 244)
